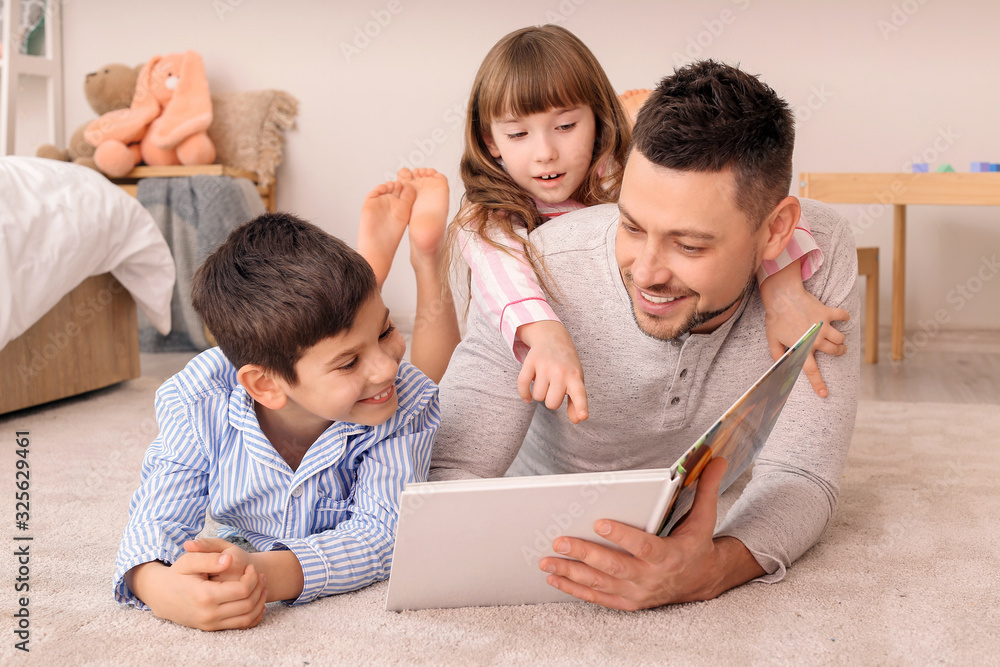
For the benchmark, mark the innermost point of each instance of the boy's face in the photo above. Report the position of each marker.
(686, 253)
(351, 376)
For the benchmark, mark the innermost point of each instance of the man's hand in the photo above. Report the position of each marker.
(687, 565)
(552, 369)
(184, 592)
(789, 312)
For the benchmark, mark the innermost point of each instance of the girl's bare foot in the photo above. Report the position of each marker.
(384, 216)
(435, 325)
(429, 217)
(633, 100)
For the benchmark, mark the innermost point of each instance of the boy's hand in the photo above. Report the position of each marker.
(185, 594)
(281, 569)
(208, 545)
(552, 369)
(790, 311)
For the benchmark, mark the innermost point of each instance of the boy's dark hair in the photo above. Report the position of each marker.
(277, 286)
(709, 117)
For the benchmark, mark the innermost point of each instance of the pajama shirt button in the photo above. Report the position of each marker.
(297, 491)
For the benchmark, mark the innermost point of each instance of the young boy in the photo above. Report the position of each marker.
(298, 434)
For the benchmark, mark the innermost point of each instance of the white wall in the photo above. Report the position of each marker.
(875, 84)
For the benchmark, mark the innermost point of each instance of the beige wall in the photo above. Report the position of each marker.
(874, 82)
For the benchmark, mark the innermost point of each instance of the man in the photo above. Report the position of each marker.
(659, 296)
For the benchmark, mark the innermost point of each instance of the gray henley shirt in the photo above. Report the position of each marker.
(649, 399)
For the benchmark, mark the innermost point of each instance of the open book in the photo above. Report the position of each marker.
(478, 542)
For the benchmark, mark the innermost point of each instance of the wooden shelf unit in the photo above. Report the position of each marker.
(14, 65)
(130, 182)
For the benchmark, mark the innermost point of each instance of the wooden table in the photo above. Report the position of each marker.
(900, 190)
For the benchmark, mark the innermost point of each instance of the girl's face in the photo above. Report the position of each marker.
(547, 154)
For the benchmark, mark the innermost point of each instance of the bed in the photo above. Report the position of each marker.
(77, 256)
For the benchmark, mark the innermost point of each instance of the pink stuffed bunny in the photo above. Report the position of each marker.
(166, 123)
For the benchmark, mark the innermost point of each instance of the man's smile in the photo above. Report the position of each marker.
(657, 299)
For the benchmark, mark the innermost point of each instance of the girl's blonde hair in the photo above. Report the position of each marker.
(533, 70)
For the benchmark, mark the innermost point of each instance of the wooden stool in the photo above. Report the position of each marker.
(868, 267)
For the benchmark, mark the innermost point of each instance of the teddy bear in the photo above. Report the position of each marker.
(107, 89)
(166, 122)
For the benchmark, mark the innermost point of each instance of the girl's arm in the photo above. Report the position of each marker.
(791, 309)
(506, 290)
(802, 247)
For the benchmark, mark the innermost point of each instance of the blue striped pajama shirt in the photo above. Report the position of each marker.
(337, 512)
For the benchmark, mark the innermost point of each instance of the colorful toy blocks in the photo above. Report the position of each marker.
(920, 167)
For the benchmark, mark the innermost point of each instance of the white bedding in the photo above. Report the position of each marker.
(61, 223)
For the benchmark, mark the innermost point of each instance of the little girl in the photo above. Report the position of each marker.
(546, 134)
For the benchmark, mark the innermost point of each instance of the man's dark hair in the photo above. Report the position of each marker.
(277, 286)
(709, 117)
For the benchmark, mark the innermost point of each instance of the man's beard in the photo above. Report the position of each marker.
(695, 319)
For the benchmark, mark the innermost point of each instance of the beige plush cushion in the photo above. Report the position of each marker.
(248, 129)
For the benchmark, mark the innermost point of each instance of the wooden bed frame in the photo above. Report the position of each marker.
(90, 339)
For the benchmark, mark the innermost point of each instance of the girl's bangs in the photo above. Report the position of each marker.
(534, 85)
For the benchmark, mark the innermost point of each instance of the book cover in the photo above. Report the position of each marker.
(740, 434)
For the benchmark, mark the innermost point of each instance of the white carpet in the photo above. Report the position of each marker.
(907, 573)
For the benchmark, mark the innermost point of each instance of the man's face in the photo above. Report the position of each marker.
(686, 253)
